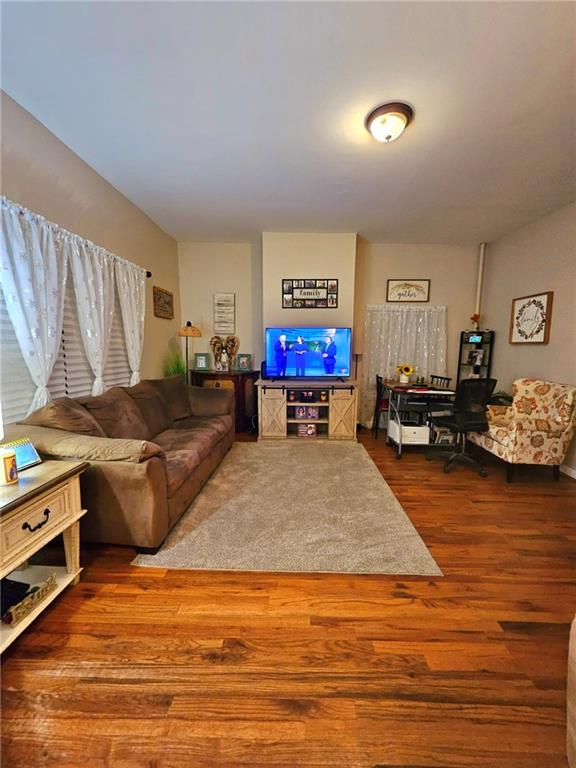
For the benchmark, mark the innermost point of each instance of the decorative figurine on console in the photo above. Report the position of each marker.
(225, 352)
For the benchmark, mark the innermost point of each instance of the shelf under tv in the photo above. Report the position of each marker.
(308, 402)
(307, 421)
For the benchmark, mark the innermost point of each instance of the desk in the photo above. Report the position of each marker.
(406, 402)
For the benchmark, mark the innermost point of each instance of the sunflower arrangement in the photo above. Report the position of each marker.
(405, 369)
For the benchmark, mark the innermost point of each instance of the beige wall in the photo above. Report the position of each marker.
(42, 174)
(538, 257)
(305, 255)
(209, 268)
(452, 270)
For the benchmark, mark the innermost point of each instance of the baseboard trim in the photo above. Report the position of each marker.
(566, 470)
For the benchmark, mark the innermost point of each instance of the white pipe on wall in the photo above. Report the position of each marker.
(480, 280)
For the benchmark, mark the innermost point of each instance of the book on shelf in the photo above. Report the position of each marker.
(306, 430)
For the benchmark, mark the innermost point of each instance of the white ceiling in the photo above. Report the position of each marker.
(221, 120)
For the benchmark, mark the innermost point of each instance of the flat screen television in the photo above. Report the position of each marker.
(305, 352)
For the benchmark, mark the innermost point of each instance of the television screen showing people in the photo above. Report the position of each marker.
(308, 352)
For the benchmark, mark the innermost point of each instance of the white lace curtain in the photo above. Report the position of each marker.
(396, 334)
(34, 259)
(131, 283)
(33, 276)
(93, 274)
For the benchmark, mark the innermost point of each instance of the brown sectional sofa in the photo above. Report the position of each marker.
(151, 448)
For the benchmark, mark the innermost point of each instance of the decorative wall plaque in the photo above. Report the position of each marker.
(309, 293)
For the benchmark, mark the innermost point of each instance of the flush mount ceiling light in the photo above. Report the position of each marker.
(388, 121)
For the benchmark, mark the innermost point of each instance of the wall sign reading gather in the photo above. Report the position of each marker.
(310, 293)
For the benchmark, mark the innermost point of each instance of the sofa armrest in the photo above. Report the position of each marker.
(59, 444)
(208, 401)
(500, 415)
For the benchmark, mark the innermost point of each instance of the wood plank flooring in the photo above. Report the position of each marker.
(141, 668)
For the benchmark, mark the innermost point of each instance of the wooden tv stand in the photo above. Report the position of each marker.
(280, 404)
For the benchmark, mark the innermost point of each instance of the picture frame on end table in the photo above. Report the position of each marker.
(244, 362)
(201, 361)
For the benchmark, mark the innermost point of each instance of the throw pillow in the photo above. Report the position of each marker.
(65, 413)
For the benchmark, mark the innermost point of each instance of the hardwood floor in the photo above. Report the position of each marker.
(141, 668)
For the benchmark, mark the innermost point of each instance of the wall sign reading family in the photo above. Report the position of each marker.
(310, 294)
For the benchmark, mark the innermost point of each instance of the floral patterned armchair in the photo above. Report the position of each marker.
(536, 429)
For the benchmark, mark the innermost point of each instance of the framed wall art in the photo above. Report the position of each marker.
(224, 313)
(163, 302)
(408, 290)
(530, 319)
(310, 293)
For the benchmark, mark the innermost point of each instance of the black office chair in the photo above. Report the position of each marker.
(380, 407)
(469, 415)
(442, 382)
(440, 403)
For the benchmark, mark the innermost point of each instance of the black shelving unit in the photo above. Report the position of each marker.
(475, 355)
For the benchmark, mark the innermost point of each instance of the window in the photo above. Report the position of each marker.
(72, 375)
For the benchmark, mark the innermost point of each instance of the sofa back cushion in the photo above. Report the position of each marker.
(66, 414)
(151, 404)
(174, 392)
(117, 414)
(539, 399)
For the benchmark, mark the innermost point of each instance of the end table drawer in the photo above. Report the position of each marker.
(38, 519)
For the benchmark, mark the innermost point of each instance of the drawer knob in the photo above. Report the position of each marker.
(28, 527)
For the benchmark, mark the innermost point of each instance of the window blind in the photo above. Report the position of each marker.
(72, 375)
(16, 386)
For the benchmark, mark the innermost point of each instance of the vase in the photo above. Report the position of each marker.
(404, 378)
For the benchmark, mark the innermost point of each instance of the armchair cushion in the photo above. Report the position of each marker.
(500, 415)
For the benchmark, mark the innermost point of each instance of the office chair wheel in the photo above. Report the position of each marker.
(446, 470)
(428, 457)
(483, 473)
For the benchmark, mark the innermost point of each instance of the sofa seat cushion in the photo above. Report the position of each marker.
(151, 405)
(179, 466)
(174, 392)
(222, 423)
(66, 414)
(201, 436)
(117, 414)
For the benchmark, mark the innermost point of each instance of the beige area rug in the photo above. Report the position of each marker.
(294, 506)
